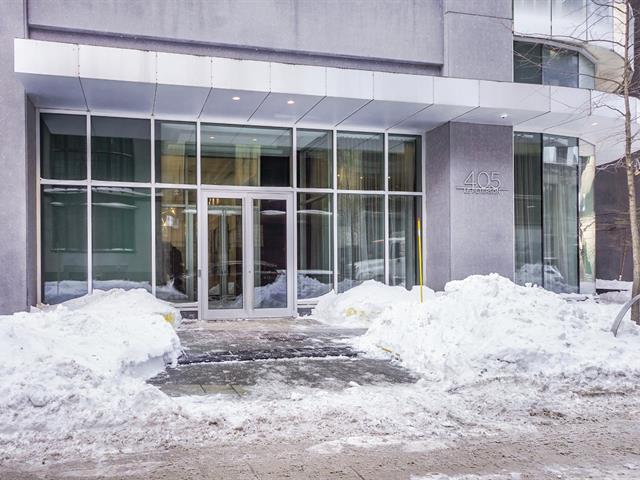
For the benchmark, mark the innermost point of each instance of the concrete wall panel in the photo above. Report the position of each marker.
(15, 287)
(482, 224)
(408, 31)
(438, 218)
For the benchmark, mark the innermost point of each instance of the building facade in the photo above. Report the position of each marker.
(243, 158)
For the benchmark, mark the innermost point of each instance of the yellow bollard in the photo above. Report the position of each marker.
(420, 257)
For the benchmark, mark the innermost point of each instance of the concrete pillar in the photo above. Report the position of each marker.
(470, 205)
(17, 167)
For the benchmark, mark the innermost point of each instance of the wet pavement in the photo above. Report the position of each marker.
(235, 356)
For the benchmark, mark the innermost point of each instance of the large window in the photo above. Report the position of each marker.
(360, 161)
(120, 149)
(549, 65)
(121, 211)
(175, 152)
(63, 146)
(547, 169)
(121, 233)
(315, 244)
(246, 156)
(176, 244)
(64, 242)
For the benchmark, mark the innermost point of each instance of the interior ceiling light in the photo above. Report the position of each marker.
(254, 139)
(290, 102)
(504, 115)
(235, 98)
(212, 138)
(594, 124)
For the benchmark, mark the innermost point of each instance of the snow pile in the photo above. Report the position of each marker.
(363, 305)
(488, 327)
(82, 364)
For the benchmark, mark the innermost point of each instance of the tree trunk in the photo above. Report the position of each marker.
(628, 160)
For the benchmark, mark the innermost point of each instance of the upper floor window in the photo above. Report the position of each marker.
(548, 65)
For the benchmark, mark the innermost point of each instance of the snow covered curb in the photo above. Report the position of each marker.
(82, 364)
(488, 327)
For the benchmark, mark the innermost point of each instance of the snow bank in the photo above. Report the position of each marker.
(487, 327)
(83, 363)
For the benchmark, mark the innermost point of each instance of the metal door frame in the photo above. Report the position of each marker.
(247, 196)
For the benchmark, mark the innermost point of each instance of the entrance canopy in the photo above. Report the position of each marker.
(168, 85)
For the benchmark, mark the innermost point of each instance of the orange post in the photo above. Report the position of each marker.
(420, 257)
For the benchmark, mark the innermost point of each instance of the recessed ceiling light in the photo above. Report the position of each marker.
(235, 98)
(212, 138)
(254, 139)
(504, 115)
(594, 124)
(290, 102)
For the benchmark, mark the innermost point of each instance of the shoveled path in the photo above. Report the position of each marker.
(231, 357)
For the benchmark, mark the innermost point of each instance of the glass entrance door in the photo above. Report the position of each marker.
(248, 255)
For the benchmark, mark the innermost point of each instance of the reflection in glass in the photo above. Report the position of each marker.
(315, 244)
(246, 156)
(175, 152)
(176, 245)
(527, 62)
(569, 18)
(120, 149)
(64, 243)
(63, 146)
(560, 67)
(121, 237)
(404, 163)
(528, 207)
(404, 211)
(269, 253)
(532, 17)
(587, 230)
(360, 161)
(224, 235)
(315, 158)
(560, 217)
(360, 239)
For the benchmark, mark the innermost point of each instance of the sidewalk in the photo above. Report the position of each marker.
(232, 357)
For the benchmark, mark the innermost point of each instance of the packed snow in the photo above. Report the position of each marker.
(83, 364)
(486, 327)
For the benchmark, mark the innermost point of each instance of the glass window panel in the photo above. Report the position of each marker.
(405, 173)
(175, 152)
(569, 18)
(560, 217)
(120, 149)
(176, 245)
(315, 244)
(403, 242)
(224, 243)
(246, 156)
(270, 253)
(587, 232)
(527, 62)
(532, 17)
(360, 239)
(63, 146)
(360, 161)
(559, 67)
(64, 243)
(587, 73)
(528, 208)
(121, 236)
(315, 159)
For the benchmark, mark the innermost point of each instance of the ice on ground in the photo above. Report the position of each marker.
(613, 284)
(488, 327)
(82, 364)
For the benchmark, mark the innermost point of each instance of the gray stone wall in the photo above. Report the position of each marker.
(478, 39)
(407, 31)
(468, 231)
(17, 235)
